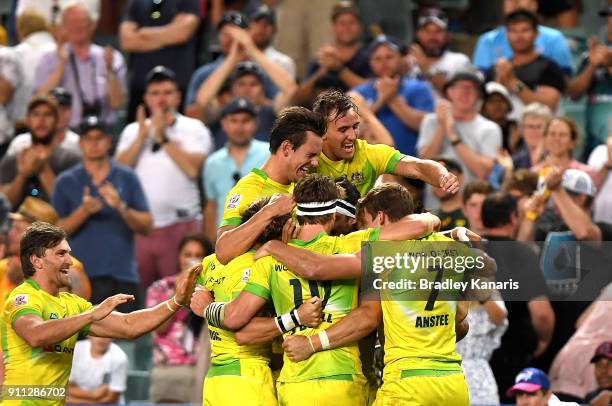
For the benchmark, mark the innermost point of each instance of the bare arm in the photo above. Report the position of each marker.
(189, 163)
(14, 189)
(6, 91)
(101, 395)
(129, 156)
(47, 178)
(306, 88)
(243, 308)
(260, 330)
(579, 85)
(433, 147)
(409, 116)
(210, 220)
(480, 165)
(543, 321)
(75, 220)
(208, 90)
(543, 94)
(350, 78)
(578, 220)
(140, 222)
(178, 31)
(130, 39)
(462, 326)
(428, 171)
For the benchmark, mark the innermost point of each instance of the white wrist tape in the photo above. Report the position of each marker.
(324, 340)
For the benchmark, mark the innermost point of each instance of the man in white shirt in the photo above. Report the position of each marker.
(63, 135)
(601, 161)
(99, 372)
(429, 56)
(51, 9)
(262, 27)
(167, 152)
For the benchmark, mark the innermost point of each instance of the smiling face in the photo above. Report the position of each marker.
(54, 264)
(305, 158)
(341, 135)
(533, 130)
(346, 29)
(464, 95)
(558, 139)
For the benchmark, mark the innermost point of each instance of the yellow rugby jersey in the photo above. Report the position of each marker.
(226, 282)
(50, 365)
(368, 163)
(418, 335)
(273, 281)
(253, 186)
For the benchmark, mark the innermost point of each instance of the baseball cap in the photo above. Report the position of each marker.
(264, 11)
(38, 100)
(529, 380)
(89, 123)
(494, 87)
(471, 74)
(63, 96)
(603, 350)
(384, 40)
(450, 164)
(238, 105)
(33, 209)
(342, 7)
(159, 74)
(577, 181)
(433, 15)
(234, 18)
(246, 68)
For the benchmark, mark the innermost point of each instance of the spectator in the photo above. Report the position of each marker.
(560, 140)
(94, 74)
(229, 19)
(226, 166)
(534, 123)
(458, 132)
(572, 362)
(51, 9)
(489, 323)
(101, 206)
(601, 162)
(11, 77)
(530, 320)
(595, 80)
(342, 65)
(262, 28)
(399, 103)
(450, 210)
(11, 274)
(603, 374)
(99, 372)
(300, 19)
(35, 40)
(246, 80)
(529, 76)
(532, 388)
(63, 137)
(166, 152)
(521, 184)
(32, 171)
(474, 194)
(174, 343)
(494, 44)
(429, 55)
(158, 33)
(496, 107)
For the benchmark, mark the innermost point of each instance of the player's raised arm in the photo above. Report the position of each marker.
(428, 171)
(133, 325)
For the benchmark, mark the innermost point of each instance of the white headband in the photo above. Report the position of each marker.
(345, 208)
(316, 208)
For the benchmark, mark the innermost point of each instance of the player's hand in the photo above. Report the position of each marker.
(290, 231)
(200, 299)
(186, 285)
(310, 312)
(297, 348)
(109, 304)
(449, 183)
(279, 205)
(91, 204)
(463, 234)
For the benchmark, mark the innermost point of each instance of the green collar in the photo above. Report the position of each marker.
(33, 283)
(301, 243)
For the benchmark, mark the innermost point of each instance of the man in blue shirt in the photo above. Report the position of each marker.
(226, 166)
(399, 102)
(494, 44)
(101, 205)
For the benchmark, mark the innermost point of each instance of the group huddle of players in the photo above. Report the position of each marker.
(288, 263)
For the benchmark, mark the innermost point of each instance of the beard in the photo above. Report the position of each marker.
(44, 140)
(432, 52)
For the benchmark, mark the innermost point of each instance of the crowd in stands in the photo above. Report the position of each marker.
(131, 142)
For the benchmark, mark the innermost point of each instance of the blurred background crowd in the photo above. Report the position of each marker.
(126, 122)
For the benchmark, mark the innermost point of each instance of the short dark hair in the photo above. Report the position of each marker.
(292, 124)
(351, 193)
(497, 209)
(333, 101)
(522, 180)
(476, 186)
(274, 230)
(38, 237)
(199, 238)
(391, 198)
(315, 188)
(160, 74)
(522, 15)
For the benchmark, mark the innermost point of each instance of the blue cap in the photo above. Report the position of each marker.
(529, 380)
(384, 40)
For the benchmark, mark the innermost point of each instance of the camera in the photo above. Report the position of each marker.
(91, 109)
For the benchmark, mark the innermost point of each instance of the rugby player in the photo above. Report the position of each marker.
(40, 324)
(344, 154)
(421, 365)
(295, 144)
(334, 376)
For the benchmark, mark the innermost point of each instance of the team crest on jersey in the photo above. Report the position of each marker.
(53, 316)
(233, 201)
(21, 300)
(357, 178)
(245, 275)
